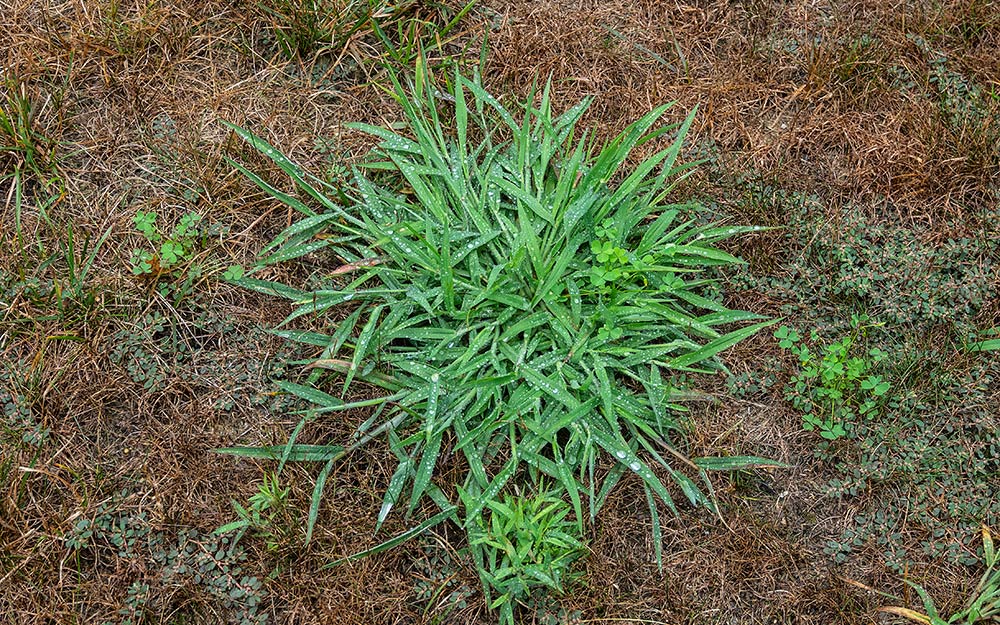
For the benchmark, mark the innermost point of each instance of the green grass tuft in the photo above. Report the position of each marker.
(514, 306)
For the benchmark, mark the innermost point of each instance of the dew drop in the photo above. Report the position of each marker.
(635, 466)
(621, 454)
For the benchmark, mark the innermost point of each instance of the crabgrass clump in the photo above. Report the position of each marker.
(477, 301)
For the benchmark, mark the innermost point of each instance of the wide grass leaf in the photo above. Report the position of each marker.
(399, 539)
(736, 463)
(294, 453)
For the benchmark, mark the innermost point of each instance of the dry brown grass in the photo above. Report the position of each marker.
(800, 92)
(130, 93)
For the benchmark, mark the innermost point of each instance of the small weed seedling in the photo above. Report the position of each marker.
(172, 253)
(171, 250)
(24, 151)
(261, 515)
(833, 387)
(528, 543)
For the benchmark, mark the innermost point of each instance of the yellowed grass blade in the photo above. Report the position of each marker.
(907, 613)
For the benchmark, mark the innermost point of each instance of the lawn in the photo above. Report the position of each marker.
(731, 360)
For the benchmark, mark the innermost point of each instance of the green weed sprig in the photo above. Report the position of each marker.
(833, 386)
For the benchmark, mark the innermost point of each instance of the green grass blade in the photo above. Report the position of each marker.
(268, 287)
(736, 463)
(363, 344)
(310, 394)
(395, 489)
(654, 516)
(317, 497)
(714, 347)
(296, 453)
(285, 164)
(281, 196)
(425, 470)
(413, 532)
